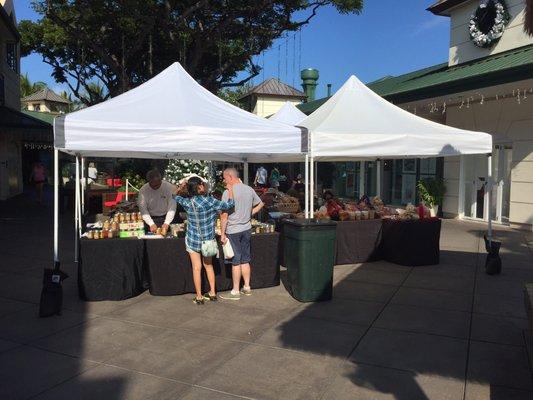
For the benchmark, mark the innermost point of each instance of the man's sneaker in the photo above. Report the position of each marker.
(208, 297)
(246, 291)
(231, 296)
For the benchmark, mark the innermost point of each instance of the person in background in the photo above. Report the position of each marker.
(331, 205)
(156, 202)
(38, 177)
(202, 212)
(237, 228)
(92, 173)
(293, 192)
(261, 176)
(274, 178)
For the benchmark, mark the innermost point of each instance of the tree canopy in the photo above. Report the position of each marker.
(122, 43)
(28, 87)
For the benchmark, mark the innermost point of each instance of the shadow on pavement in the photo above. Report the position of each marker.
(415, 332)
(32, 362)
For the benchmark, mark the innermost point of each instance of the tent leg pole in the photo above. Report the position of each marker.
(56, 208)
(315, 176)
(245, 173)
(76, 214)
(83, 181)
(378, 178)
(306, 177)
(489, 198)
(312, 186)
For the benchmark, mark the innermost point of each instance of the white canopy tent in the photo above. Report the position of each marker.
(357, 124)
(288, 114)
(171, 116)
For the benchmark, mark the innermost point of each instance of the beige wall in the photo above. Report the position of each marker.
(45, 106)
(11, 78)
(461, 47)
(266, 106)
(510, 123)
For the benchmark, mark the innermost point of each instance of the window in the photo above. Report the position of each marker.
(37, 107)
(11, 56)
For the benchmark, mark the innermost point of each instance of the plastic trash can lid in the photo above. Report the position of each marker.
(310, 222)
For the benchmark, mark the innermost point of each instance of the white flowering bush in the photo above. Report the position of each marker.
(501, 20)
(179, 169)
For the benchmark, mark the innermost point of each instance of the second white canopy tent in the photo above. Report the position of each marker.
(356, 124)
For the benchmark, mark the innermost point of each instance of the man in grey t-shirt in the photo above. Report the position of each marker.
(236, 228)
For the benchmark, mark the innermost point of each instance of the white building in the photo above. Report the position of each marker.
(484, 87)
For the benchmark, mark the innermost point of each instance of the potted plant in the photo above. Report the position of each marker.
(432, 192)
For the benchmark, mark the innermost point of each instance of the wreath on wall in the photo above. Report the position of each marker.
(488, 22)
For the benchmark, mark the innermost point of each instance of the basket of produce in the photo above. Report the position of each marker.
(286, 204)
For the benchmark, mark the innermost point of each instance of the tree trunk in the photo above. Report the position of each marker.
(528, 20)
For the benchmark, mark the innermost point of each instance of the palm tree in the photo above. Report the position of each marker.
(27, 87)
(528, 20)
(94, 93)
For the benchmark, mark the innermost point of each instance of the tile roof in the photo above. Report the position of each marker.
(510, 66)
(45, 94)
(274, 87)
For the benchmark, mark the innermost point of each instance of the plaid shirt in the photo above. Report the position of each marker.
(207, 209)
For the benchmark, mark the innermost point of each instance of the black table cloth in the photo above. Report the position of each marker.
(411, 243)
(170, 272)
(111, 269)
(358, 241)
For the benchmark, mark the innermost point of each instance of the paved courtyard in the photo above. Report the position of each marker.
(438, 332)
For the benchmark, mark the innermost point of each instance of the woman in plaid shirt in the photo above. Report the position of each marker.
(202, 212)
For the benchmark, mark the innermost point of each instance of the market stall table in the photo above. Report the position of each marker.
(111, 269)
(170, 272)
(358, 241)
(411, 243)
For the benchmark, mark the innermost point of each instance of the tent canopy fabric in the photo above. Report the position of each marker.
(172, 116)
(288, 114)
(356, 123)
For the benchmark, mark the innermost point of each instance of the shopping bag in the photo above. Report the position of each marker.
(228, 250)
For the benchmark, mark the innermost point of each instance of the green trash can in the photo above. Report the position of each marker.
(309, 256)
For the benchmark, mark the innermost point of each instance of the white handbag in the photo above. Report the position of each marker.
(228, 250)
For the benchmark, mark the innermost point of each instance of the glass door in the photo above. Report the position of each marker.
(475, 173)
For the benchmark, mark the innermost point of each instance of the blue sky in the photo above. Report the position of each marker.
(388, 38)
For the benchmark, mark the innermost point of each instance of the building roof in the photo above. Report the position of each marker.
(442, 6)
(45, 94)
(274, 87)
(442, 80)
(42, 116)
(24, 126)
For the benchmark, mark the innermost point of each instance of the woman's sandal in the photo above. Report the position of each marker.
(209, 297)
(198, 302)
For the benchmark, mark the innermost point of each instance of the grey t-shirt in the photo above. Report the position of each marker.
(239, 217)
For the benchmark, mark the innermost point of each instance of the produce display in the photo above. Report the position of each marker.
(257, 227)
(122, 225)
(280, 202)
(350, 211)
